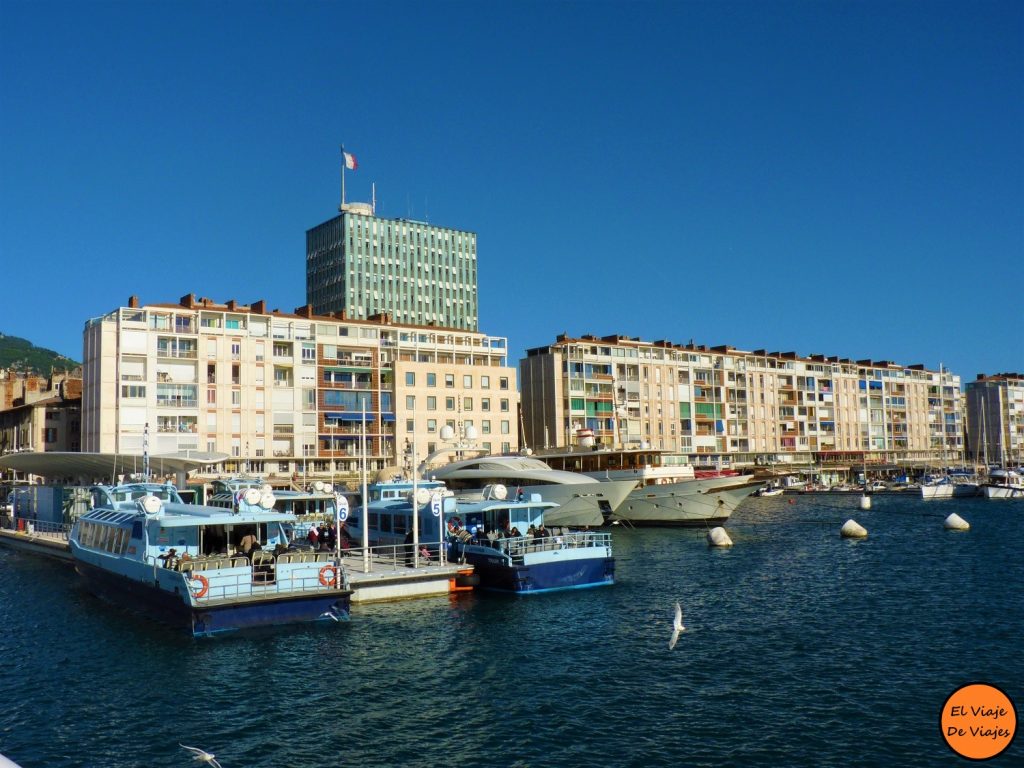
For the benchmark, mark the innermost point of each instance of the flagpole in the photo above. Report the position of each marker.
(342, 206)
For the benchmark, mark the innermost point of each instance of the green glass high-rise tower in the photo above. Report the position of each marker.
(418, 273)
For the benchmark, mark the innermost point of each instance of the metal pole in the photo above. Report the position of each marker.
(366, 517)
(415, 503)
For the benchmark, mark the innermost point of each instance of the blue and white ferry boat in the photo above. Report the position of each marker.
(207, 569)
(503, 539)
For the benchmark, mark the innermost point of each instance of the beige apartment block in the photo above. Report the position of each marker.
(995, 419)
(288, 394)
(724, 405)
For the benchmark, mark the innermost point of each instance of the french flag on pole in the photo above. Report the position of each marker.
(350, 161)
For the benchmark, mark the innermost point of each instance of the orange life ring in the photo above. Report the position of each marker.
(333, 580)
(203, 581)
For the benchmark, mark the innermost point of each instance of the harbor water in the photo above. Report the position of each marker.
(801, 648)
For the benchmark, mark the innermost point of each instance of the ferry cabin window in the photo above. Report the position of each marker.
(374, 519)
(385, 523)
(399, 524)
(496, 519)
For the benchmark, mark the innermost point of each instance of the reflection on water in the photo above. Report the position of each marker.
(801, 648)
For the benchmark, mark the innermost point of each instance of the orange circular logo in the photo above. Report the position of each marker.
(978, 721)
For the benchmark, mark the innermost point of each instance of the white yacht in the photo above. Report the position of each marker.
(1004, 484)
(581, 500)
(670, 491)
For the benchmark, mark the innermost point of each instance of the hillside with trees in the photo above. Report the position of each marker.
(23, 355)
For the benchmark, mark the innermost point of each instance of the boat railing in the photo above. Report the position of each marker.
(518, 547)
(231, 577)
(31, 525)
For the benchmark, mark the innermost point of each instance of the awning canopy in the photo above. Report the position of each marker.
(90, 467)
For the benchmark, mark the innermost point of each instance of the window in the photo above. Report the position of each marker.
(410, 425)
(236, 350)
(211, 373)
(236, 397)
(506, 448)
(503, 382)
(133, 390)
(467, 381)
(410, 379)
(259, 351)
(485, 403)
(504, 404)
(431, 425)
(431, 379)
(449, 380)
(211, 396)
(449, 403)
(504, 428)
(485, 426)
(410, 402)
(485, 382)
(467, 403)
(236, 373)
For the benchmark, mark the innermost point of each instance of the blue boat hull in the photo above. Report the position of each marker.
(209, 619)
(498, 576)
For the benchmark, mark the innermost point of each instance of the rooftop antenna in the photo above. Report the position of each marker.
(373, 198)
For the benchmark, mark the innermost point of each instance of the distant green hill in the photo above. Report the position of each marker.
(24, 355)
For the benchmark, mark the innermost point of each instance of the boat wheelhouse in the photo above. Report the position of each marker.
(511, 550)
(206, 569)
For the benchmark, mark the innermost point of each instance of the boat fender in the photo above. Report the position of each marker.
(204, 584)
(329, 581)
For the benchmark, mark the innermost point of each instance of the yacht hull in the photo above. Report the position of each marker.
(690, 503)
(1003, 492)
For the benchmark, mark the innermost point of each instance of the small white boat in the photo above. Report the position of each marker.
(1004, 484)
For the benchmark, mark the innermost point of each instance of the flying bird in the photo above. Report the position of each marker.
(677, 626)
(201, 755)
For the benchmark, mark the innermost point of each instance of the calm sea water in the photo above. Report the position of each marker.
(801, 649)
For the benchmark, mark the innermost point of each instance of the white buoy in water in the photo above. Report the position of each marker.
(853, 530)
(717, 537)
(865, 501)
(955, 523)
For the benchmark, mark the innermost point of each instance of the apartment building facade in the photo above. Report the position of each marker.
(417, 273)
(288, 393)
(40, 413)
(995, 418)
(744, 407)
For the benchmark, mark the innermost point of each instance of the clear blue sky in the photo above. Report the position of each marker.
(842, 178)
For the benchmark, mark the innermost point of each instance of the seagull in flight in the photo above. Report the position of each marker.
(201, 755)
(677, 626)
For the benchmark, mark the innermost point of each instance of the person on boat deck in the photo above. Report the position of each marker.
(329, 537)
(249, 542)
(170, 558)
(314, 535)
(408, 549)
(531, 532)
(514, 533)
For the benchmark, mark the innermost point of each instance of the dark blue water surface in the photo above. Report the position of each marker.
(801, 649)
